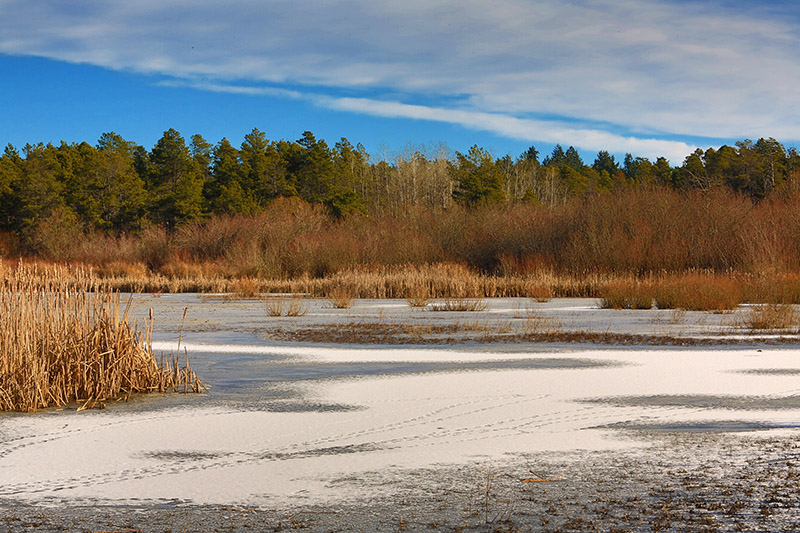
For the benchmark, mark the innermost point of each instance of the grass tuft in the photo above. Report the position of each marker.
(771, 317)
(459, 304)
(280, 306)
(419, 296)
(340, 297)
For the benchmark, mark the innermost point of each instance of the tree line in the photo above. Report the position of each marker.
(119, 187)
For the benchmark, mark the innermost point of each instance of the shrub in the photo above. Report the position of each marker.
(698, 292)
(632, 294)
(771, 317)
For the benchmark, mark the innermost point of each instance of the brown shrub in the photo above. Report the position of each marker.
(632, 294)
(698, 292)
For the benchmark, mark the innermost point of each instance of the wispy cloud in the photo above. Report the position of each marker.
(516, 128)
(235, 89)
(621, 73)
(500, 124)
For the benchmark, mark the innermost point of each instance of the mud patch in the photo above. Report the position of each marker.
(716, 426)
(772, 371)
(703, 401)
(180, 456)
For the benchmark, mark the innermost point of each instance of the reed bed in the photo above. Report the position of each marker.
(698, 292)
(706, 290)
(63, 339)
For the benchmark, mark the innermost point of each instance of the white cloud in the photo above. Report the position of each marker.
(651, 67)
(522, 129)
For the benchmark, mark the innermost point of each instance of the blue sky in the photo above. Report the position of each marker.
(642, 76)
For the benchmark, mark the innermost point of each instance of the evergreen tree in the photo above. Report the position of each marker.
(224, 192)
(264, 169)
(312, 168)
(119, 188)
(175, 181)
(11, 174)
(478, 179)
(605, 162)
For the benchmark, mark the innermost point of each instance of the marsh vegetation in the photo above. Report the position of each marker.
(65, 340)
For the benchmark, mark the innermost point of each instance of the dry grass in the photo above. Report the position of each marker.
(64, 340)
(690, 291)
(633, 294)
(771, 317)
(775, 288)
(459, 304)
(245, 288)
(419, 297)
(420, 284)
(282, 306)
(340, 297)
(538, 323)
(698, 292)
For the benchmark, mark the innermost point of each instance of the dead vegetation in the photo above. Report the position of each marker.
(772, 317)
(291, 306)
(63, 339)
(459, 304)
(534, 330)
(691, 291)
(340, 297)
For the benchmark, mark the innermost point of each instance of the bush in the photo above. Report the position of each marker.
(698, 292)
(632, 294)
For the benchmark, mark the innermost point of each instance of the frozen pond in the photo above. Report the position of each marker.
(287, 424)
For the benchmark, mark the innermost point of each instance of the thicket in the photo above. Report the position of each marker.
(637, 231)
(279, 209)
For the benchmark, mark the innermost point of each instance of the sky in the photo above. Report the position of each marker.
(647, 77)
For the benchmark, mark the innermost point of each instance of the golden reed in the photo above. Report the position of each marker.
(64, 339)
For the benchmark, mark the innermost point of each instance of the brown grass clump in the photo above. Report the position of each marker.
(281, 306)
(64, 340)
(633, 294)
(459, 304)
(340, 297)
(777, 289)
(698, 292)
(537, 323)
(539, 293)
(771, 317)
(245, 288)
(419, 296)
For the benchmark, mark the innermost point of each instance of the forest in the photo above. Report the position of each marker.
(283, 209)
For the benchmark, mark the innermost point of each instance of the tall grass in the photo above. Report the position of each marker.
(65, 340)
